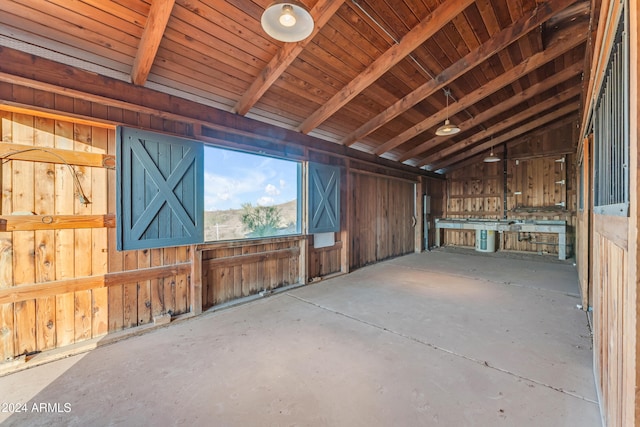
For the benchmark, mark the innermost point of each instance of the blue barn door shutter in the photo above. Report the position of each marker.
(324, 198)
(160, 196)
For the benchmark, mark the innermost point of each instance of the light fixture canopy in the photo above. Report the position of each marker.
(447, 128)
(287, 21)
(491, 158)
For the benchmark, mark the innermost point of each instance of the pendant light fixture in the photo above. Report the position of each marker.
(447, 128)
(491, 158)
(287, 21)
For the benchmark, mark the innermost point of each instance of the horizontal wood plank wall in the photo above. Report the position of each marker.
(541, 187)
(382, 218)
(39, 256)
(245, 268)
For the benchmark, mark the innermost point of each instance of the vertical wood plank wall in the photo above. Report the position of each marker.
(536, 188)
(614, 312)
(242, 269)
(613, 247)
(324, 261)
(435, 189)
(67, 283)
(62, 281)
(382, 218)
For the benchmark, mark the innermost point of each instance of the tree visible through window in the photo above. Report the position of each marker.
(249, 195)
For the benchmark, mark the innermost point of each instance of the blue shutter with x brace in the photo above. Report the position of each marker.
(160, 197)
(324, 198)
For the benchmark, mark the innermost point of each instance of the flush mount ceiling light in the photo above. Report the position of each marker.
(491, 158)
(447, 128)
(287, 21)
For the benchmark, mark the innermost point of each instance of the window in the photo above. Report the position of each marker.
(249, 195)
(611, 133)
(173, 191)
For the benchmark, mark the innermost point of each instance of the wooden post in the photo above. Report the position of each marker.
(419, 216)
(196, 281)
(303, 258)
(345, 229)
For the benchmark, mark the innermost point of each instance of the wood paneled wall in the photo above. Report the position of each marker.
(240, 269)
(382, 218)
(324, 261)
(473, 192)
(540, 184)
(610, 276)
(57, 255)
(611, 261)
(62, 281)
(436, 190)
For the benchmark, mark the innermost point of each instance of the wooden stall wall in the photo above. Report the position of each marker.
(240, 269)
(611, 330)
(583, 224)
(61, 279)
(539, 186)
(614, 244)
(382, 218)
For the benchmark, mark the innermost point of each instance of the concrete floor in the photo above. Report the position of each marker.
(450, 338)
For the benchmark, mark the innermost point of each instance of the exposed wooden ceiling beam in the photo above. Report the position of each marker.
(433, 160)
(321, 12)
(412, 40)
(444, 154)
(504, 106)
(159, 14)
(501, 40)
(21, 69)
(581, 9)
(516, 138)
(604, 36)
(560, 45)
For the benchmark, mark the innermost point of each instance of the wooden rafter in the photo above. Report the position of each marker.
(505, 124)
(321, 12)
(150, 41)
(488, 49)
(504, 106)
(561, 45)
(418, 35)
(552, 119)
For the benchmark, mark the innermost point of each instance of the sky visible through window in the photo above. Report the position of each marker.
(232, 178)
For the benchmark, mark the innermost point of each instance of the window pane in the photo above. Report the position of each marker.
(249, 196)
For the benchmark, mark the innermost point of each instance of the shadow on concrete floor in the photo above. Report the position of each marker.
(437, 338)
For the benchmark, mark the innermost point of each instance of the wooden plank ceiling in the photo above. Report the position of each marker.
(372, 75)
